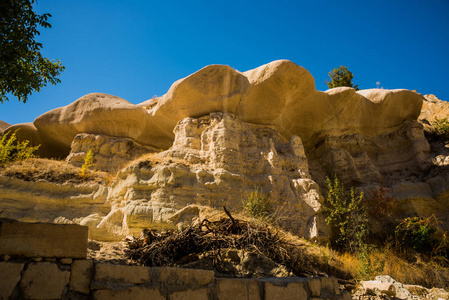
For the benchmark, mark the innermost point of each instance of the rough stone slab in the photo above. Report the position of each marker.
(238, 289)
(43, 281)
(200, 294)
(315, 287)
(329, 286)
(285, 289)
(9, 277)
(385, 287)
(121, 274)
(81, 275)
(133, 293)
(183, 277)
(345, 295)
(43, 239)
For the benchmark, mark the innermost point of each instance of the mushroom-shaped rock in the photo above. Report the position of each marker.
(280, 93)
(343, 110)
(93, 113)
(273, 87)
(214, 88)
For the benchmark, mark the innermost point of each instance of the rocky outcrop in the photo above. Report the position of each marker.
(43, 201)
(433, 108)
(227, 132)
(385, 287)
(214, 161)
(110, 154)
(3, 126)
(281, 94)
(370, 160)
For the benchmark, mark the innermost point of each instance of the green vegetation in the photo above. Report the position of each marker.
(346, 215)
(22, 67)
(417, 233)
(88, 163)
(341, 76)
(12, 150)
(415, 251)
(257, 205)
(441, 126)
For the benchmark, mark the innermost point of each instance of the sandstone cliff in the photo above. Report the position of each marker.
(219, 133)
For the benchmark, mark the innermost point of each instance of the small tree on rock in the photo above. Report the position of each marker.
(341, 77)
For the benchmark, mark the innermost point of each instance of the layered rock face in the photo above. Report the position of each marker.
(110, 153)
(42, 201)
(214, 161)
(219, 134)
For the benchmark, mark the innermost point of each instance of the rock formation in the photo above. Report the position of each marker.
(280, 93)
(3, 126)
(214, 161)
(219, 133)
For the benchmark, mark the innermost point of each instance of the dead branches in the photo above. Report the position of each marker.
(174, 248)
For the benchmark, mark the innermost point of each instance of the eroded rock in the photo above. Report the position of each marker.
(215, 160)
(109, 153)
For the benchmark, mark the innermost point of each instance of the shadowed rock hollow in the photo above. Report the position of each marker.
(219, 133)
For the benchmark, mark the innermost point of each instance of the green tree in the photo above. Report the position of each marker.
(341, 77)
(22, 67)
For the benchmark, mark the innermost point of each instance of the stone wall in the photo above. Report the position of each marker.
(45, 268)
(83, 279)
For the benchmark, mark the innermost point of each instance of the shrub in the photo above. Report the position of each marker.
(379, 202)
(441, 126)
(257, 204)
(417, 233)
(379, 205)
(12, 150)
(88, 163)
(346, 215)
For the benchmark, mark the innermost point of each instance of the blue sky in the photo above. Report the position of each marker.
(137, 49)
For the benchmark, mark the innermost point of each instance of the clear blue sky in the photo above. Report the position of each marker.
(137, 49)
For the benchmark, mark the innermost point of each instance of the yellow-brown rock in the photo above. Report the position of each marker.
(280, 93)
(3, 125)
(93, 113)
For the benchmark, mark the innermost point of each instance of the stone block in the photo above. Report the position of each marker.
(238, 289)
(385, 287)
(315, 287)
(285, 289)
(81, 275)
(43, 239)
(133, 293)
(183, 277)
(345, 295)
(200, 294)
(43, 281)
(109, 273)
(329, 286)
(9, 277)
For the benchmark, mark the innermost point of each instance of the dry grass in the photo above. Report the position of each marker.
(55, 171)
(385, 261)
(152, 159)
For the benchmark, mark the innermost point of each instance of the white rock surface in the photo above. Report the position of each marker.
(213, 162)
(110, 154)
